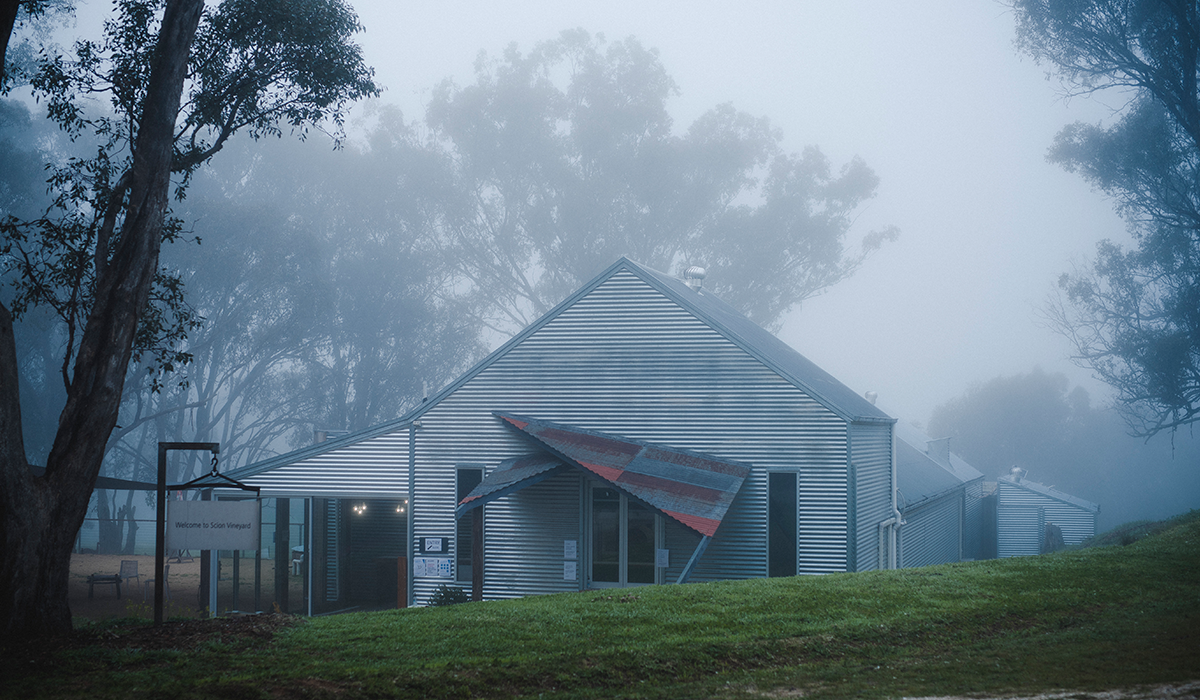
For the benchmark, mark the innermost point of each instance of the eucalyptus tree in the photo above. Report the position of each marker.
(1037, 421)
(1133, 315)
(181, 80)
(30, 22)
(571, 160)
(327, 304)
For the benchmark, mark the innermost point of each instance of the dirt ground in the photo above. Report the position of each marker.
(1170, 691)
(137, 598)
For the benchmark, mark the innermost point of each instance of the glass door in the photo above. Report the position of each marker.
(624, 537)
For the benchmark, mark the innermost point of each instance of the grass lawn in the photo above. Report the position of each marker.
(1107, 617)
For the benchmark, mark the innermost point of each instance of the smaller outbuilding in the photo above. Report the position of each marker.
(940, 498)
(1028, 514)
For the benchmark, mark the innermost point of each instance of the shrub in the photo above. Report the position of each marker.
(448, 595)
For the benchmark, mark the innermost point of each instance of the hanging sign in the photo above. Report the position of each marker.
(212, 525)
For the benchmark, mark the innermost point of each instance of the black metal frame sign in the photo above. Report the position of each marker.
(211, 480)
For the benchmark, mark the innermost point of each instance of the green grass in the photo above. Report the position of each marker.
(1092, 619)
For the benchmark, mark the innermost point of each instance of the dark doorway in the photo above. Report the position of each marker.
(781, 524)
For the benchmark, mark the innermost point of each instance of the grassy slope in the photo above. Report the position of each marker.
(1091, 619)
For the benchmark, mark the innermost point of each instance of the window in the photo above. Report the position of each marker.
(468, 479)
(624, 537)
(781, 524)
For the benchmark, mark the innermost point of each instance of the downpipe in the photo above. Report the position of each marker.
(893, 524)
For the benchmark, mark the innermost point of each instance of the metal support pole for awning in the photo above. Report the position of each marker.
(687, 570)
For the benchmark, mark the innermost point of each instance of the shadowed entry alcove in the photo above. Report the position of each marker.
(319, 555)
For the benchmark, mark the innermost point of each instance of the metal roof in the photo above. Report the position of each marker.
(920, 475)
(1051, 493)
(511, 475)
(760, 343)
(692, 488)
(919, 478)
(920, 441)
(730, 323)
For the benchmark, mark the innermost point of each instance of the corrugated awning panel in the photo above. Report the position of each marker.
(692, 488)
(510, 475)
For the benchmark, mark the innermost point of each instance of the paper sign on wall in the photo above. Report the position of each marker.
(212, 525)
(662, 558)
(569, 571)
(436, 567)
(570, 549)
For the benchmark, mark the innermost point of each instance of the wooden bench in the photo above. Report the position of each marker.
(102, 579)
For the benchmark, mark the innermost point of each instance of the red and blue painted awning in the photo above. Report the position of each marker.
(509, 476)
(693, 488)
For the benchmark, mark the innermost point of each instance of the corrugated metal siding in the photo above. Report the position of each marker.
(333, 550)
(524, 560)
(373, 468)
(626, 360)
(871, 454)
(931, 532)
(1018, 531)
(1019, 535)
(973, 519)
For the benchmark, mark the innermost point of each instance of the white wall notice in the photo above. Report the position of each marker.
(432, 566)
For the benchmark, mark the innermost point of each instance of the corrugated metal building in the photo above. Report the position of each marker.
(939, 496)
(1024, 510)
(606, 443)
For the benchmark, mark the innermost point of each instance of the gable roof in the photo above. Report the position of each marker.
(761, 344)
(918, 477)
(921, 476)
(705, 306)
(1048, 492)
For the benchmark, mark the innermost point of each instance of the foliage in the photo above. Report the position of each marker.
(448, 595)
(18, 15)
(254, 65)
(324, 297)
(1128, 533)
(1019, 626)
(1038, 422)
(93, 257)
(1133, 315)
(571, 160)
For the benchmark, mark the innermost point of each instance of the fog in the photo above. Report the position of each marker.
(935, 98)
(932, 95)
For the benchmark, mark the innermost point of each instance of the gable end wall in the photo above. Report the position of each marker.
(624, 359)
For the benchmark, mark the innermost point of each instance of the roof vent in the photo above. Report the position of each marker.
(694, 277)
(872, 396)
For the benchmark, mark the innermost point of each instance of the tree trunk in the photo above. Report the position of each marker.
(131, 540)
(25, 506)
(108, 535)
(8, 19)
(41, 516)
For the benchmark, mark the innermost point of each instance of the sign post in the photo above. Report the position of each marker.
(160, 554)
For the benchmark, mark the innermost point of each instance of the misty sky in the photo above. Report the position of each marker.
(931, 94)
